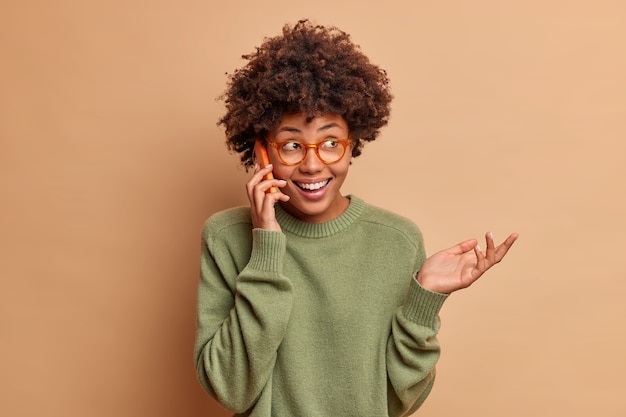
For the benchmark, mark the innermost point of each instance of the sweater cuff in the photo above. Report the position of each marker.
(422, 306)
(268, 250)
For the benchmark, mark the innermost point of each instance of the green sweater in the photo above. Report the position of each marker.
(319, 320)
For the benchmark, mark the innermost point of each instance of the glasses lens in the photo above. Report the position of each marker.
(330, 151)
(292, 152)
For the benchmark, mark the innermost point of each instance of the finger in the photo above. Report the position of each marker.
(267, 208)
(257, 178)
(255, 194)
(491, 251)
(280, 184)
(266, 211)
(261, 172)
(253, 181)
(258, 196)
(268, 175)
(275, 190)
(266, 193)
(502, 249)
(480, 261)
(262, 209)
(271, 186)
(463, 247)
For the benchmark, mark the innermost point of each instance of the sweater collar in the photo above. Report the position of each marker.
(290, 224)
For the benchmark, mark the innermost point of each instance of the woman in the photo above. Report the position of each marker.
(310, 302)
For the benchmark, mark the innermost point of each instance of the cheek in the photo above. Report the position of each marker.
(341, 169)
(273, 157)
(278, 166)
(281, 171)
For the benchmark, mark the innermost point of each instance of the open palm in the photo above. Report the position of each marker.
(460, 266)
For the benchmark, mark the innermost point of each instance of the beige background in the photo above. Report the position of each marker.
(509, 116)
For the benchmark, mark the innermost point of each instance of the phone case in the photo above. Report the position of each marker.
(260, 153)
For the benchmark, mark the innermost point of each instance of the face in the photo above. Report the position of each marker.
(314, 187)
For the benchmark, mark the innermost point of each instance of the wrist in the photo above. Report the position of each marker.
(428, 283)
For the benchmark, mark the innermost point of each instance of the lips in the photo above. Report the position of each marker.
(312, 186)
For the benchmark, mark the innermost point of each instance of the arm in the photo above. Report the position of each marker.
(240, 329)
(412, 347)
(412, 350)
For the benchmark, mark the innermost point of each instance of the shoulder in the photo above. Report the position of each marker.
(390, 222)
(227, 221)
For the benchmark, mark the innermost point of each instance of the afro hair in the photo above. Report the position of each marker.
(310, 69)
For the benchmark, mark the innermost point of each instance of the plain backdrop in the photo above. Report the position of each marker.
(508, 116)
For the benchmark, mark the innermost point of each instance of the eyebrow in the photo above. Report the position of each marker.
(296, 130)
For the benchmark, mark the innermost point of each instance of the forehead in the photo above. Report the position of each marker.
(300, 122)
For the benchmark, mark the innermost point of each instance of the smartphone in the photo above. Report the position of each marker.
(260, 154)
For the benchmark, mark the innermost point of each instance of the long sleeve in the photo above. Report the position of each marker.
(242, 316)
(413, 350)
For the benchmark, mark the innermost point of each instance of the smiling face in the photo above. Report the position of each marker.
(314, 187)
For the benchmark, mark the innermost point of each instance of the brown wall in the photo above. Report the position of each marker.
(508, 116)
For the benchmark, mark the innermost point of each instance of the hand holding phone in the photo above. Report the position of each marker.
(260, 154)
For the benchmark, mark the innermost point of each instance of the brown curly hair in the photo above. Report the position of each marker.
(310, 69)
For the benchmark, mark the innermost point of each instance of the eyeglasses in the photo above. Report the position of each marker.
(329, 151)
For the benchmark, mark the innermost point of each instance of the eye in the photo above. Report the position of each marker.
(329, 144)
(291, 147)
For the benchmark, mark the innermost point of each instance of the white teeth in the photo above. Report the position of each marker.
(314, 186)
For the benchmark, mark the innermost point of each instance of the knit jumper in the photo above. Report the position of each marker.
(320, 320)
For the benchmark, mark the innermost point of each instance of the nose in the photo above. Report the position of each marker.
(311, 162)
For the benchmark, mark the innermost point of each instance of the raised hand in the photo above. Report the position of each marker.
(460, 266)
(262, 200)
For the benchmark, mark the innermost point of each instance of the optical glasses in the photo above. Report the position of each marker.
(329, 151)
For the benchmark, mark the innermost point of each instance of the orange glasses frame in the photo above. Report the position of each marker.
(276, 145)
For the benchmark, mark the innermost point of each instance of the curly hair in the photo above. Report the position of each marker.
(310, 69)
